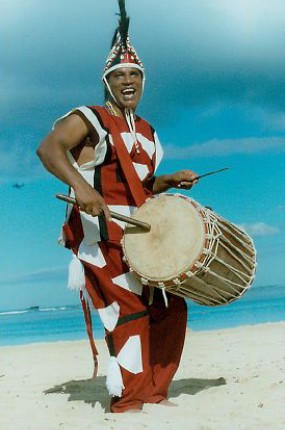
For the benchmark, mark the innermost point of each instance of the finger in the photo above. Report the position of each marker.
(106, 213)
(93, 211)
(192, 180)
(186, 185)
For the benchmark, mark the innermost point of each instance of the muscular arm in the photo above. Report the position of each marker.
(53, 153)
(53, 149)
(184, 179)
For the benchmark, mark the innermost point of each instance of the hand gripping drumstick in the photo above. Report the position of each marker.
(115, 215)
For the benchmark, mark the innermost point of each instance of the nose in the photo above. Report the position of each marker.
(128, 79)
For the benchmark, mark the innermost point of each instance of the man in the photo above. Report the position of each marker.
(84, 150)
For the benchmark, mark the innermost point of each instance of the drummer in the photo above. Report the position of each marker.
(82, 150)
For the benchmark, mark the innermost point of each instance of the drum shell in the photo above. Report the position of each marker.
(223, 269)
(228, 275)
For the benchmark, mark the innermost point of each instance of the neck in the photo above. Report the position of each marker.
(114, 109)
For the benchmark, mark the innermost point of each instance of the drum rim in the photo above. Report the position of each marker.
(193, 269)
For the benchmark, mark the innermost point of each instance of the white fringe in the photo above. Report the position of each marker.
(114, 380)
(76, 277)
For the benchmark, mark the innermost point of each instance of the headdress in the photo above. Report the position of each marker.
(122, 53)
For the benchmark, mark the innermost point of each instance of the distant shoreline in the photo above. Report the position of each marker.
(253, 293)
(66, 323)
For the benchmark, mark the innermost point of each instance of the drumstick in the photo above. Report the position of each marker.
(145, 226)
(203, 176)
(211, 173)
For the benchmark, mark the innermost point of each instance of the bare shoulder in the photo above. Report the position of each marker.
(69, 132)
(72, 124)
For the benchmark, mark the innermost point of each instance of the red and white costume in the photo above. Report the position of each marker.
(146, 341)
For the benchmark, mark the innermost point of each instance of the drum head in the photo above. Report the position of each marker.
(174, 243)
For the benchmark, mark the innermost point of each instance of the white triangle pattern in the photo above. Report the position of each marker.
(110, 315)
(130, 356)
(91, 254)
(129, 282)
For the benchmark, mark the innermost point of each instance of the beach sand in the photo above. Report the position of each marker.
(228, 379)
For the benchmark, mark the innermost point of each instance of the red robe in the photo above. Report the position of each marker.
(146, 340)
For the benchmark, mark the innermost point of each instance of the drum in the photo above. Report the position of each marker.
(190, 251)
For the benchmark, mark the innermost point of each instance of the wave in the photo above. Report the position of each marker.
(13, 312)
(36, 309)
(59, 308)
(51, 309)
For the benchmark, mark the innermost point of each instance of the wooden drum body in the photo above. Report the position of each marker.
(190, 251)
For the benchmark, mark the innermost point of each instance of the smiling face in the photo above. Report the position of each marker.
(126, 86)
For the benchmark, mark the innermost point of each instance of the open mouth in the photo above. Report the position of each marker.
(128, 92)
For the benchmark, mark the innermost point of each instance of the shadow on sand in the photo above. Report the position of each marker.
(91, 391)
(87, 390)
(193, 386)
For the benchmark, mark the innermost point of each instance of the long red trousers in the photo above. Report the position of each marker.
(160, 330)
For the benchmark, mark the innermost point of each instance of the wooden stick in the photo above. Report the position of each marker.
(211, 173)
(183, 183)
(145, 226)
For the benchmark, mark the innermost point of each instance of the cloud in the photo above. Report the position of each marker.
(271, 120)
(54, 274)
(18, 160)
(260, 229)
(196, 52)
(205, 54)
(21, 163)
(226, 147)
(219, 51)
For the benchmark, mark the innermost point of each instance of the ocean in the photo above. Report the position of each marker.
(50, 324)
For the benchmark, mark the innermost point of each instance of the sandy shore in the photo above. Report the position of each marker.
(228, 379)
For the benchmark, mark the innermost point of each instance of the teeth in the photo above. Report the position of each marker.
(128, 91)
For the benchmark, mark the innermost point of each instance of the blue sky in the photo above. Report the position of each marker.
(215, 94)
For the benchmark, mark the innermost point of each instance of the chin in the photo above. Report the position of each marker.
(131, 105)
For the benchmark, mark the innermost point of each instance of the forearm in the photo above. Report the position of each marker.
(162, 183)
(183, 179)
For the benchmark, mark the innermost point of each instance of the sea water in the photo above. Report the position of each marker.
(36, 324)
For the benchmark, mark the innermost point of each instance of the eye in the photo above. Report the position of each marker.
(118, 74)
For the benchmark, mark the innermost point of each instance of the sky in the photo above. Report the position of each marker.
(215, 94)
